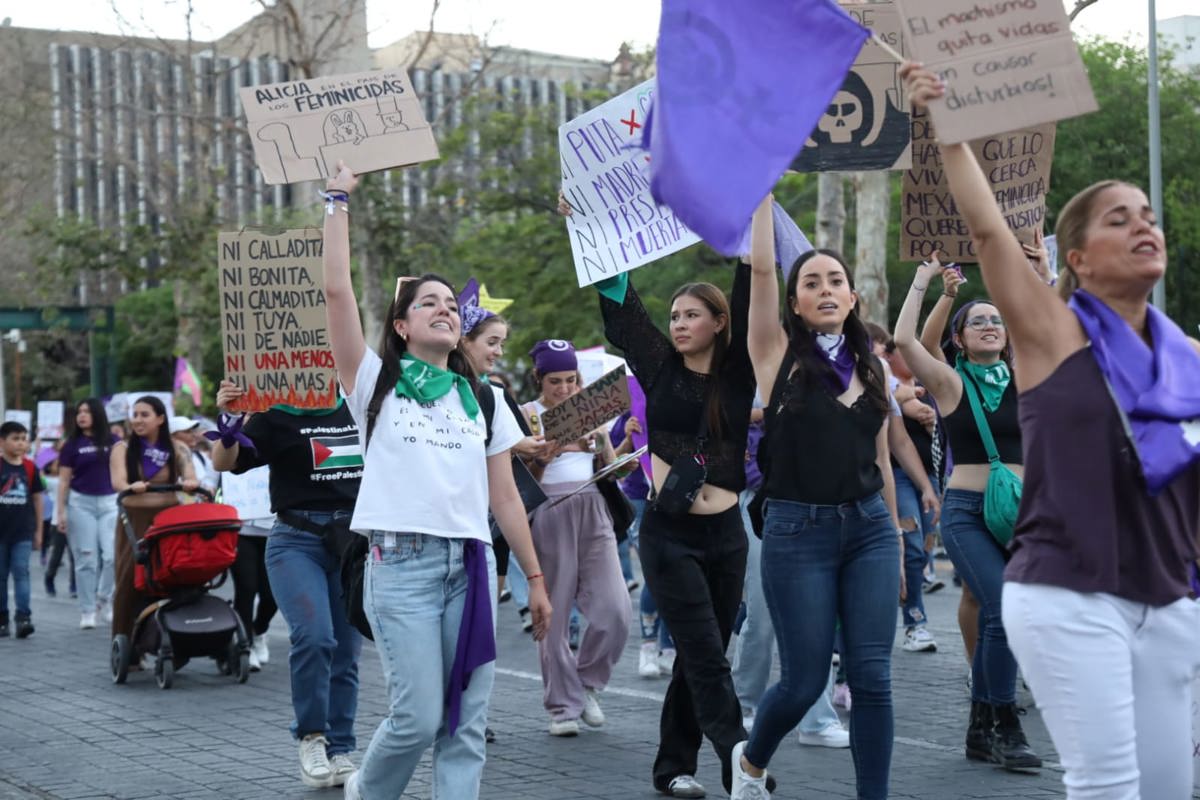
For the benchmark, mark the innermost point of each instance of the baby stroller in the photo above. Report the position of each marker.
(184, 554)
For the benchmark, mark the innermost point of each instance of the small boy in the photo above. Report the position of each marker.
(21, 515)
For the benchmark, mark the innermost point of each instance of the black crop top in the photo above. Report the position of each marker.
(676, 396)
(1004, 422)
(821, 451)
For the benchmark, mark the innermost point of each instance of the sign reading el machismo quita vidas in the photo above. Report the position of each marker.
(273, 319)
(615, 225)
(369, 120)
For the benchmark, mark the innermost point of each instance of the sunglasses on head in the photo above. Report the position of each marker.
(981, 322)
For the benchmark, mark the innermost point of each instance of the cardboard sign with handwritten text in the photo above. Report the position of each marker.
(370, 120)
(273, 319)
(599, 402)
(615, 225)
(1006, 65)
(1017, 165)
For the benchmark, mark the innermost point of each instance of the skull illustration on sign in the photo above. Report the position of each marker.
(843, 117)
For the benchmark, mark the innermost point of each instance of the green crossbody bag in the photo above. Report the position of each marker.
(1002, 498)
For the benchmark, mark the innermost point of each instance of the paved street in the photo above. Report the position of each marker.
(67, 732)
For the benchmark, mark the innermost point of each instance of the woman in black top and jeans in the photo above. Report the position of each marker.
(830, 546)
(694, 562)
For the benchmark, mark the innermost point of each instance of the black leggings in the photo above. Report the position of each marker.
(250, 579)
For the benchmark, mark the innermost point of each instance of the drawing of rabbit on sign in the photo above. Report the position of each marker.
(344, 126)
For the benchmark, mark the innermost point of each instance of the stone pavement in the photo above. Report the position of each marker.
(67, 732)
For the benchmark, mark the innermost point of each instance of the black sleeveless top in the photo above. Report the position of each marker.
(1087, 522)
(963, 433)
(820, 451)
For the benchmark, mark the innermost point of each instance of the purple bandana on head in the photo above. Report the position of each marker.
(476, 636)
(469, 309)
(833, 347)
(154, 458)
(1157, 388)
(554, 355)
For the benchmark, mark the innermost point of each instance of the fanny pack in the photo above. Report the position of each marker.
(686, 476)
(350, 550)
(1002, 497)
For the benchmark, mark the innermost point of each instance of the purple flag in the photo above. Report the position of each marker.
(637, 408)
(740, 87)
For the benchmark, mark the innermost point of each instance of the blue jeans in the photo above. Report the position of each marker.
(908, 506)
(414, 593)
(755, 648)
(14, 560)
(980, 562)
(325, 646)
(822, 564)
(91, 525)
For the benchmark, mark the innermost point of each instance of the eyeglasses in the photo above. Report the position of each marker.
(979, 323)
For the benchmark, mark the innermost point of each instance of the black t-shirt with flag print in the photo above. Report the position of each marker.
(315, 459)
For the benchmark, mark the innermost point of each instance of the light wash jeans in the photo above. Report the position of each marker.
(1113, 680)
(413, 596)
(14, 560)
(91, 526)
(755, 648)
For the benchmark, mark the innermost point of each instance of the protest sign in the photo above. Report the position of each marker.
(1007, 64)
(21, 416)
(1051, 243)
(866, 125)
(582, 413)
(116, 407)
(595, 363)
(50, 415)
(249, 493)
(370, 120)
(615, 225)
(1017, 165)
(273, 319)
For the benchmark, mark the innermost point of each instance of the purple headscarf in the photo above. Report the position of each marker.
(469, 310)
(554, 355)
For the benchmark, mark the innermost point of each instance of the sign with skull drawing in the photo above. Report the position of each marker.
(866, 126)
(370, 120)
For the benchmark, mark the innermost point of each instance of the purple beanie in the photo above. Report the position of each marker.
(554, 355)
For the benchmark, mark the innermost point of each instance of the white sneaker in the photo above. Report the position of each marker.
(592, 714)
(314, 763)
(746, 786)
(258, 649)
(685, 786)
(342, 768)
(255, 665)
(87, 622)
(648, 660)
(832, 735)
(748, 721)
(564, 727)
(350, 790)
(105, 609)
(666, 660)
(919, 640)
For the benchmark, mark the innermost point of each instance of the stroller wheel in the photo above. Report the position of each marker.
(164, 673)
(243, 668)
(120, 657)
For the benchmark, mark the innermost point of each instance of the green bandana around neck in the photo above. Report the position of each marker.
(991, 380)
(308, 412)
(426, 383)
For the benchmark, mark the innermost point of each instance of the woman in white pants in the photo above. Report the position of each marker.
(1095, 602)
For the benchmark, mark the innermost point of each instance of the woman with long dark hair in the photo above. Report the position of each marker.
(1096, 596)
(86, 508)
(434, 462)
(830, 534)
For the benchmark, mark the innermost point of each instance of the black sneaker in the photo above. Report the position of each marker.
(4, 626)
(50, 588)
(24, 627)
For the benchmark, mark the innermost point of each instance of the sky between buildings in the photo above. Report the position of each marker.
(590, 30)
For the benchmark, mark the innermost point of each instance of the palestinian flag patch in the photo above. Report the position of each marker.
(336, 452)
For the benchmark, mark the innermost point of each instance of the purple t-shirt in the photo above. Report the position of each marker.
(89, 466)
(634, 485)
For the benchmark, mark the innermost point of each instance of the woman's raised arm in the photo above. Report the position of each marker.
(341, 306)
(765, 337)
(938, 377)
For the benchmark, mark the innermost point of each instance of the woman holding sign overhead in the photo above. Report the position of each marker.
(436, 456)
(1095, 601)
(577, 548)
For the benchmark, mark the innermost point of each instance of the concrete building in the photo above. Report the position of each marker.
(1182, 34)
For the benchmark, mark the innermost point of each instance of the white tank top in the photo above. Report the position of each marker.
(571, 467)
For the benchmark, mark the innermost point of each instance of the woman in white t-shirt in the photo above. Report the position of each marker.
(433, 465)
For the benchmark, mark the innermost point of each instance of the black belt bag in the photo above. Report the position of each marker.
(686, 477)
(350, 550)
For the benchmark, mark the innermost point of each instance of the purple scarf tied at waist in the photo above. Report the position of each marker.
(1157, 387)
(476, 636)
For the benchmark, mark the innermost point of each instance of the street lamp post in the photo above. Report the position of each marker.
(1159, 297)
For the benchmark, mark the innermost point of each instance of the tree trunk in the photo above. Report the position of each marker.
(872, 201)
(831, 210)
(375, 301)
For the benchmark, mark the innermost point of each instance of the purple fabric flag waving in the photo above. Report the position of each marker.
(740, 87)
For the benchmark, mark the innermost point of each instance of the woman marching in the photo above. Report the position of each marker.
(830, 546)
(1095, 599)
(86, 509)
(435, 459)
(699, 389)
(978, 403)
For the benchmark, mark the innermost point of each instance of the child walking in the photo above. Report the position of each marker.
(20, 523)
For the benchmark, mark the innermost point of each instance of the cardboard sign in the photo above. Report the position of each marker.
(273, 319)
(1017, 166)
(50, 415)
(1006, 65)
(370, 120)
(1051, 243)
(866, 126)
(249, 493)
(582, 413)
(616, 225)
(21, 416)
